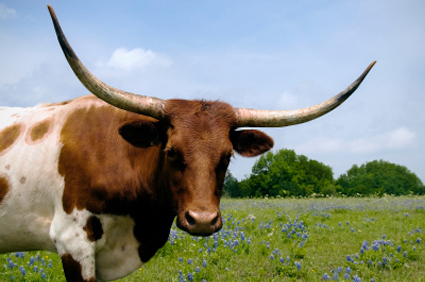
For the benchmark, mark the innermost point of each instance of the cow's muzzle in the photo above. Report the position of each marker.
(200, 223)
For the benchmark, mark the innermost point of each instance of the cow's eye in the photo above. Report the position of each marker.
(176, 159)
(171, 154)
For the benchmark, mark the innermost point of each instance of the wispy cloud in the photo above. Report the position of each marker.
(397, 139)
(6, 13)
(138, 58)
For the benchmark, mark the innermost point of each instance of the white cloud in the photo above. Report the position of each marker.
(137, 58)
(6, 13)
(397, 139)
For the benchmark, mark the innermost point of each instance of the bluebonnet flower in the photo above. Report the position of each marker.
(23, 271)
(197, 269)
(339, 269)
(190, 276)
(189, 261)
(405, 254)
(35, 269)
(347, 276)
(399, 248)
(43, 275)
(384, 260)
(180, 259)
(335, 277)
(372, 280)
(383, 236)
(357, 279)
(298, 265)
(204, 263)
(326, 277)
(349, 258)
(348, 269)
(32, 261)
(282, 260)
(271, 256)
(418, 240)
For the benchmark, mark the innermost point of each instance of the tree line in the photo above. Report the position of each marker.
(287, 174)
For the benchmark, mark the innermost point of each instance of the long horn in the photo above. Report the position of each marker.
(150, 106)
(265, 118)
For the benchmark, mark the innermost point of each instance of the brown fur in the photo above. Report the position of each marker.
(93, 228)
(72, 269)
(4, 187)
(8, 136)
(40, 130)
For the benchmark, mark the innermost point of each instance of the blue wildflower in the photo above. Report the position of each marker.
(189, 261)
(357, 279)
(399, 248)
(204, 263)
(298, 265)
(190, 276)
(282, 260)
(348, 269)
(326, 277)
(349, 258)
(339, 269)
(197, 269)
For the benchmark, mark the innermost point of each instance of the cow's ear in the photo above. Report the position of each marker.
(250, 143)
(142, 133)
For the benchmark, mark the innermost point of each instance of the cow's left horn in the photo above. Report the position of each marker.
(146, 105)
(266, 118)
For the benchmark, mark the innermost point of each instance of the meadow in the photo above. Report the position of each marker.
(308, 239)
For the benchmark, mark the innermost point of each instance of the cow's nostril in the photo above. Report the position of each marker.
(214, 221)
(190, 219)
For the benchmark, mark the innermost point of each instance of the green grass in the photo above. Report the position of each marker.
(334, 227)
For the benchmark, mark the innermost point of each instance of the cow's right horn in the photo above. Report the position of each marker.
(150, 106)
(267, 118)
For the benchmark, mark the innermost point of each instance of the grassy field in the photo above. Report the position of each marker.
(337, 239)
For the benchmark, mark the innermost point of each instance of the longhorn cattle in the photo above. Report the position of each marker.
(99, 180)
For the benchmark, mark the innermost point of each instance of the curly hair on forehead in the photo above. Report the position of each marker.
(197, 112)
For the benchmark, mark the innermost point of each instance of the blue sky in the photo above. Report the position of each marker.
(267, 55)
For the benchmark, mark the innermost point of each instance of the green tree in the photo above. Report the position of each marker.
(379, 177)
(285, 173)
(231, 186)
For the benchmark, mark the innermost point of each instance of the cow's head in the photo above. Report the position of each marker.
(198, 138)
